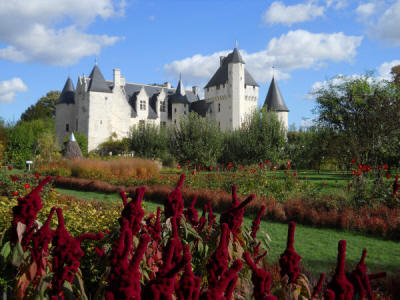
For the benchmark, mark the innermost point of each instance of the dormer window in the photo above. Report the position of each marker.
(142, 105)
(162, 106)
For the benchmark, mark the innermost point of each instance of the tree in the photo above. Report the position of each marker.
(261, 137)
(395, 72)
(149, 141)
(45, 108)
(196, 139)
(363, 113)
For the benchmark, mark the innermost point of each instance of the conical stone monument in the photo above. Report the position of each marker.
(72, 150)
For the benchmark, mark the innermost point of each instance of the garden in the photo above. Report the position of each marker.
(203, 214)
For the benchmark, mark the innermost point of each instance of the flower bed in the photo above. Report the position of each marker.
(161, 256)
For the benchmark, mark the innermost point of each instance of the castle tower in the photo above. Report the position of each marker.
(178, 104)
(274, 102)
(65, 111)
(232, 92)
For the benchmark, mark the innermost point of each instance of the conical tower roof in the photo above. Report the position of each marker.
(180, 95)
(68, 93)
(236, 57)
(180, 90)
(274, 100)
(97, 82)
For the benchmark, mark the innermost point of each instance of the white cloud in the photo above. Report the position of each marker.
(298, 49)
(366, 10)
(387, 27)
(42, 31)
(8, 88)
(306, 122)
(288, 15)
(385, 69)
(336, 4)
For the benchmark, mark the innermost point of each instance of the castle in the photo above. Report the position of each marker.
(98, 107)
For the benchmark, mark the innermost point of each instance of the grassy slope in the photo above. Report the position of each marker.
(318, 247)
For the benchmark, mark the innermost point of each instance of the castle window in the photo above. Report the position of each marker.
(105, 98)
(142, 105)
(101, 122)
(175, 121)
(141, 123)
(162, 106)
(219, 107)
(254, 87)
(77, 124)
(163, 124)
(67, 127)
(219, 124)
(184, 112)
(175, 110)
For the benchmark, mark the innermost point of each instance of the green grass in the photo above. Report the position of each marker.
(318, 247)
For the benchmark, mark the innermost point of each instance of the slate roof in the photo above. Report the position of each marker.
(201, 107)
(68, 93)
(221, 75)
(274, 100)
(97, 82)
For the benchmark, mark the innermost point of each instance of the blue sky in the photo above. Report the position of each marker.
(309, 42)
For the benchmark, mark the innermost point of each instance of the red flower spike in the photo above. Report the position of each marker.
(155, 229)
(40, 244)
(125, 276)
(26, 212)
(211, 216)
(100, 252)
(234, 215)
(256, 222)
(339, 284)
(260, 278)
(123, 197)
(203, 220)
(163, 286)
(330, 295)
(360, 279)
(66, 254)
(289, 260)
(174, 204)
(133, 211)
(223, 289)
(188, 287)
(191, 213)
(396, 185)
(218, 263)
(318, 287)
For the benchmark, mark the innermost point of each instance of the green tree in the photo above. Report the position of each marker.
(395, 72)
(363, 114)
(44, 108)
(47, 147)
(22, 139)
(196, 139)
(261, 137)
(114, 146)
(149, 141)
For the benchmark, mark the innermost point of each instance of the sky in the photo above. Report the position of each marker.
(309, 43)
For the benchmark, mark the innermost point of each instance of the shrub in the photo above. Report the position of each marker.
(196, 139)
(116, 147)
(148, 141)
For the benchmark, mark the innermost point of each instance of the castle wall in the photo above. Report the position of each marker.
(64, 117)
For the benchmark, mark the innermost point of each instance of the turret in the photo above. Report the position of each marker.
(274, 102)
(65, 111)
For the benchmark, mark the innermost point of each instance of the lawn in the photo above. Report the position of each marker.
(318, 247)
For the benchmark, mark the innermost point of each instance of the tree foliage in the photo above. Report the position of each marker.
(363, 113)
(148, 141)
(261, 137)
(44, 108)
(196, 139)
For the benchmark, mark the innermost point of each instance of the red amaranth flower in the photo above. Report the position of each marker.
(203, 220)
(26, 186)
(318, 287)
(133, 211)
(15, 194)
(234, 215)
(173, 205)
(396, 185)
(211, 216)
(26, 212)
(188, 287)
(40, 244)
(256, 222)
(155, 229)
(37, 175)
(163, 286)
(289, 260)
(339, 285)
(10, 168)
(223, 289)
(191, 213)
(66, 254)
(387, 175)
(125, 276)
(260, 278)
(218, 263)
(360, 279)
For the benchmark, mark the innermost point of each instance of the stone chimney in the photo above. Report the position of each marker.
(117, 77)
(123, 81)
(167, 85)
(195, 90)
